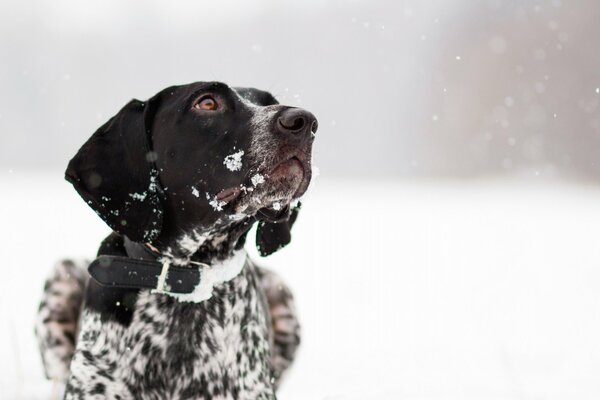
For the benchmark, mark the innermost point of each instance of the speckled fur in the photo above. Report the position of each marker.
(235, 345)
(56, 322)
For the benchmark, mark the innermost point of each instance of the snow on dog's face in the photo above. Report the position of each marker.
(195, 155)
(231, 151)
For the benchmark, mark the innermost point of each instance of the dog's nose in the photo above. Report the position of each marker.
(298, 122)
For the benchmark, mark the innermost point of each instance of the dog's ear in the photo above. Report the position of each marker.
(275, 232)
(114, 172)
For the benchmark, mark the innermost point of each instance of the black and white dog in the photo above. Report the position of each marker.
(175, 309)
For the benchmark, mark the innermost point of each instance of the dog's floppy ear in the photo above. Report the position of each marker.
(274, 231)
(114, 172)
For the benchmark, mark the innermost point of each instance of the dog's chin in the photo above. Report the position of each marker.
(289, 178)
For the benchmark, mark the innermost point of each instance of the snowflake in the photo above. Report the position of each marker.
(257, 179)
(233, 162)
(216, 204)
(138, 196)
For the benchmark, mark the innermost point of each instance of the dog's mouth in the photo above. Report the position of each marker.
(228, 195)
(286, 181)
(290, 172)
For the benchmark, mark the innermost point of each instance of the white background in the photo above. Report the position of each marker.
(428, 290)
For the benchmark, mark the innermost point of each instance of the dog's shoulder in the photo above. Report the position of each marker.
(113, 304)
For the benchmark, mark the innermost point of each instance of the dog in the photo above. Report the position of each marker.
(175, 309)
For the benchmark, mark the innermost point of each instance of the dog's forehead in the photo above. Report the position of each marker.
(255, 96)
(196, 87)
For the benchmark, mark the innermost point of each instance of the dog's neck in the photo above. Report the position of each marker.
(217, 253)
(205, 245)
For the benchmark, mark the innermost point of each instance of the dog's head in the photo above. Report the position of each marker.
(195, 156)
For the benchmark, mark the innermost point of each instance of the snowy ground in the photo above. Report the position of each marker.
(430, 290)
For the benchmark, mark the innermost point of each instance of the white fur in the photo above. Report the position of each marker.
(210, 276)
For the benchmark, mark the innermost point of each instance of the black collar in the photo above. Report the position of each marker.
(141, 270)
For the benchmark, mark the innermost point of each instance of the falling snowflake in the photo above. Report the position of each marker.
(195, 191)
(277, 206)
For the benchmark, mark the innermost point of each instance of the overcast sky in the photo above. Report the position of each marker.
(401, 88)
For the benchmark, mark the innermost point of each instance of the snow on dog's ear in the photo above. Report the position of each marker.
(274, 232)
(114, 173)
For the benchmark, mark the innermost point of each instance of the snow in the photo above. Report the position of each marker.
(257, 179)
(437, 290)
(138, 196)
(195, 191)
(214, 203)
(233, 162)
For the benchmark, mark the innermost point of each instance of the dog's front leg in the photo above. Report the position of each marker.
(95, 365)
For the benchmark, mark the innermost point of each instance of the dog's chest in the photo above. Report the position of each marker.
(217, 349)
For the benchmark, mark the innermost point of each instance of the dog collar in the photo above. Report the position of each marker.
(141, 270)
(131, 273)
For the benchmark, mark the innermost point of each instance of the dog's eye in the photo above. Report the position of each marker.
(206, 103)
